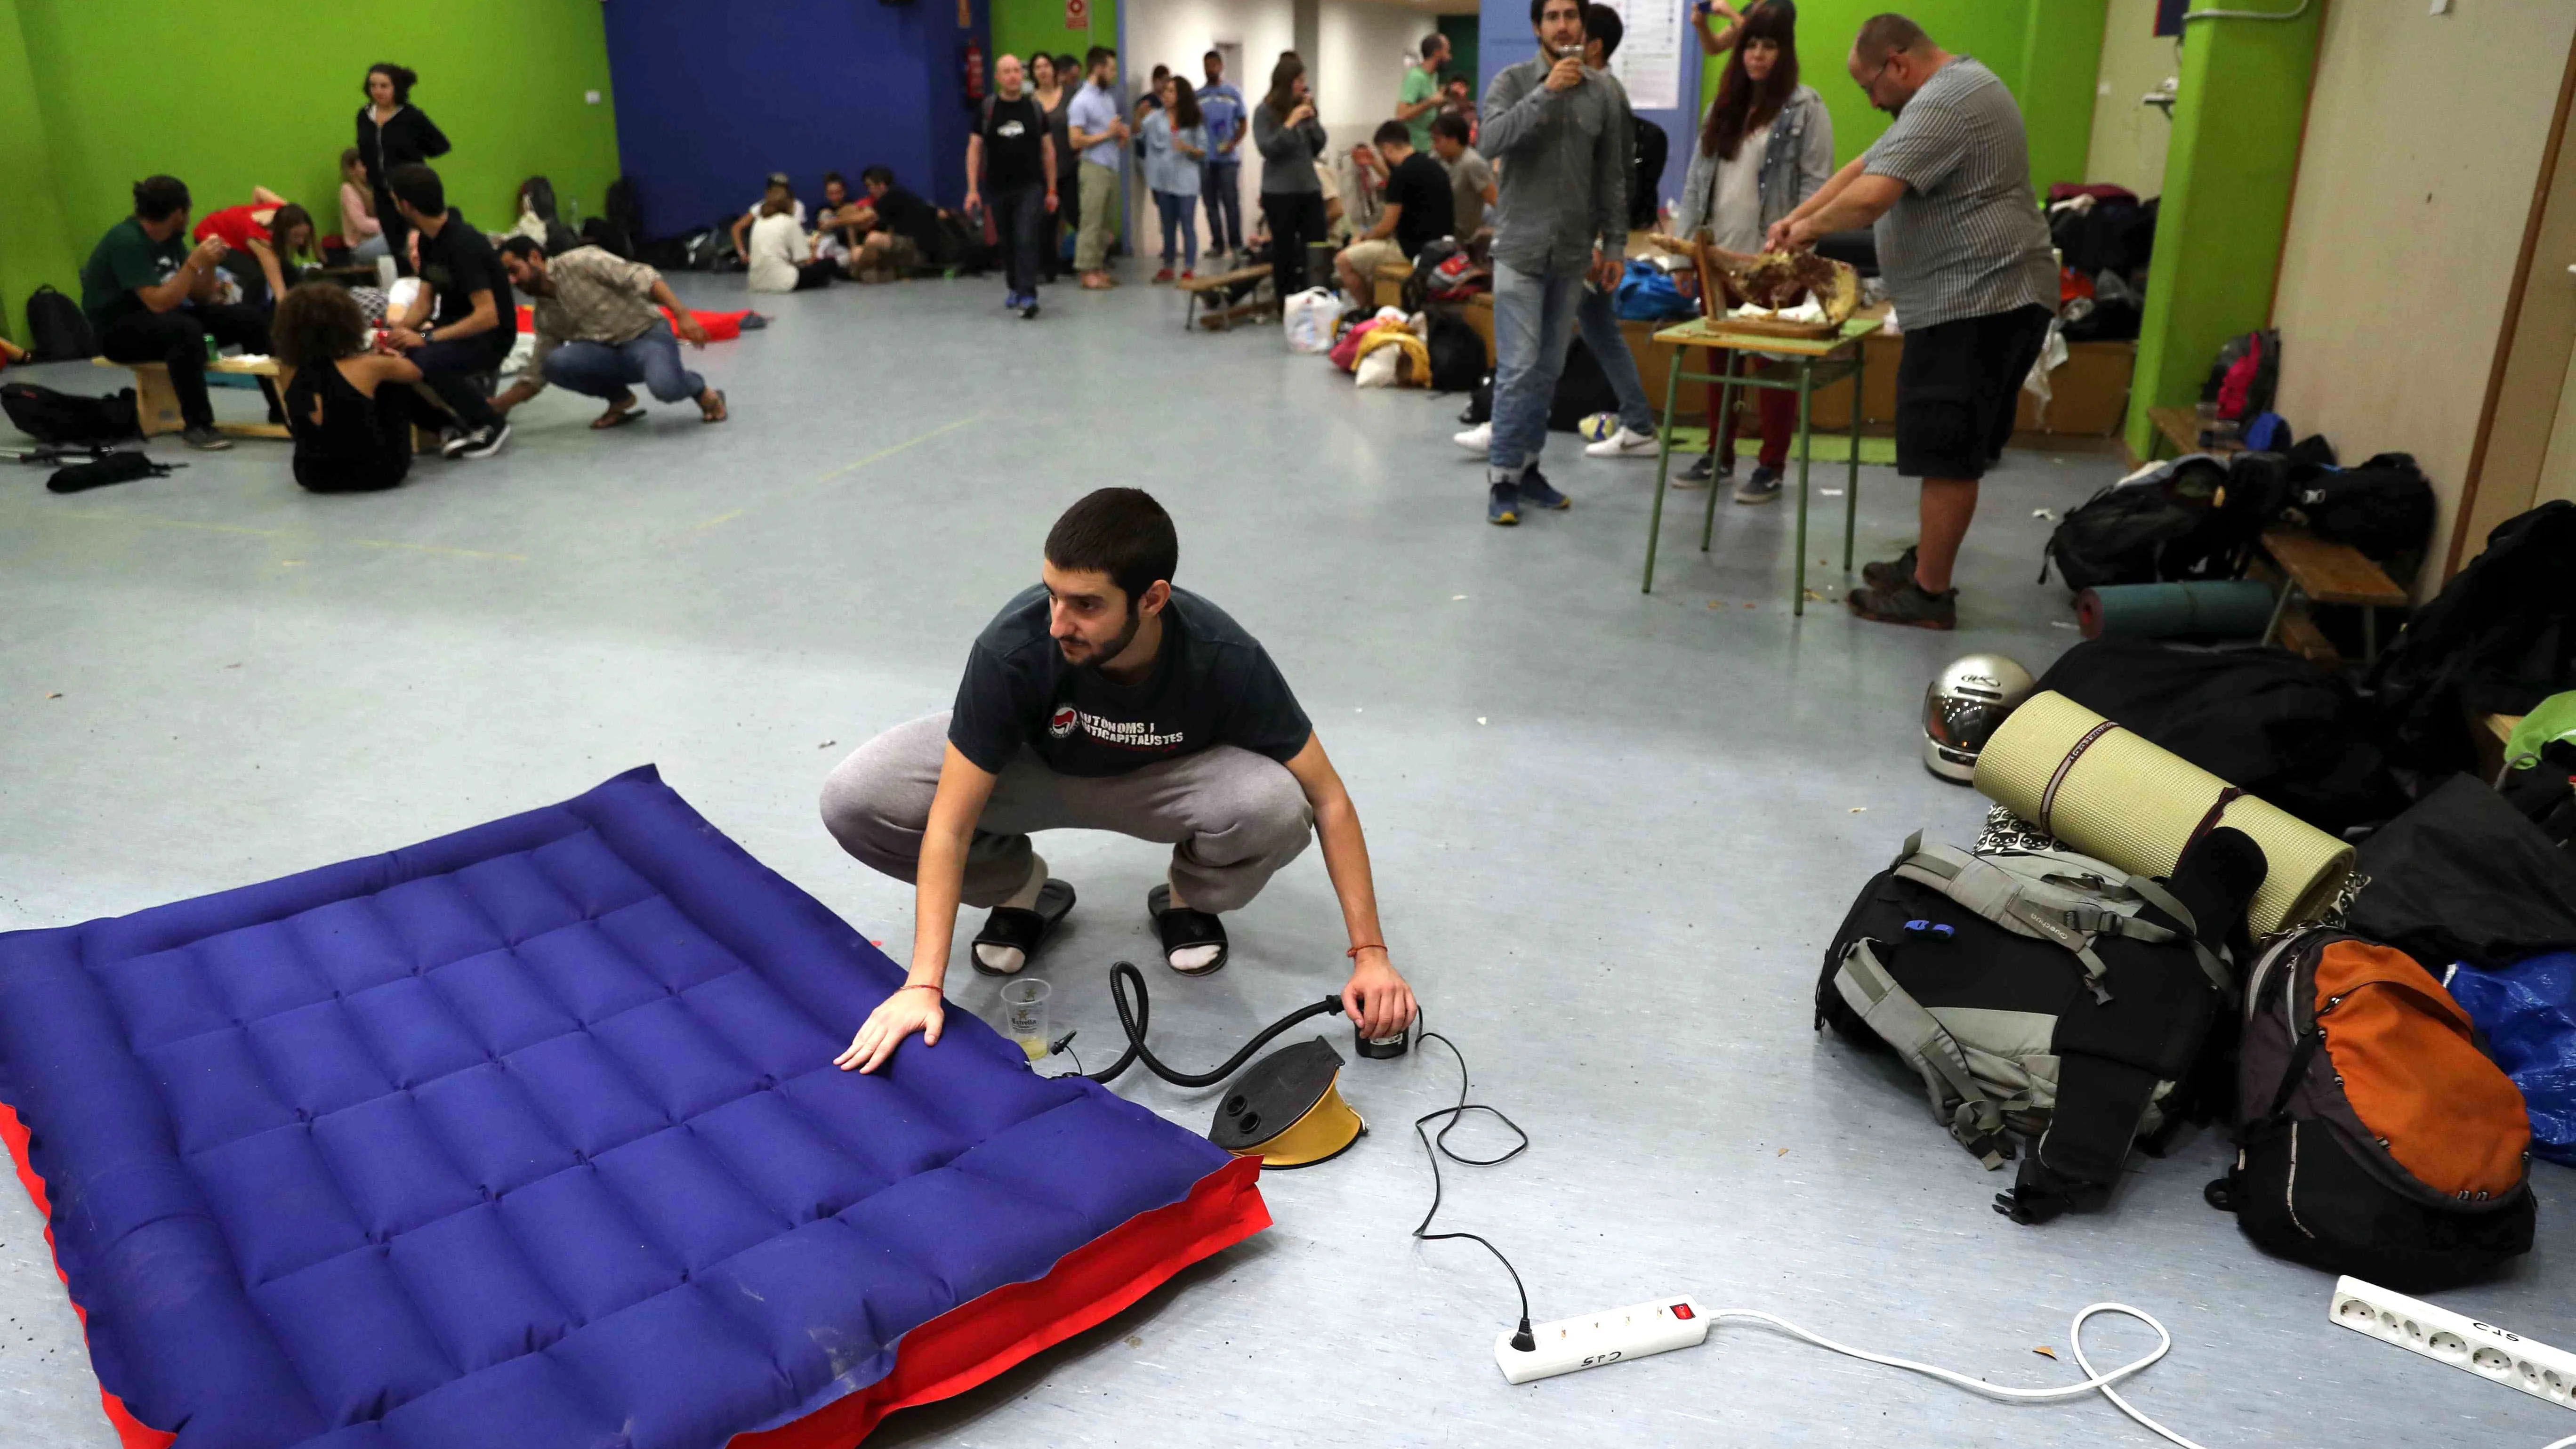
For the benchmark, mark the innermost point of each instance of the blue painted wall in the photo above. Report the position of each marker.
(1505, 39)
(715, 97)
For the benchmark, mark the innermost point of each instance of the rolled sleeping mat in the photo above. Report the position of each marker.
(2220, 609)
(2110, 793)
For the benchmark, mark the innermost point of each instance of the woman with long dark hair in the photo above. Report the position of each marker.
(393, 132)
(351, 410)
(1176, 143)
(1766, 145)
(1289, 138)
(1052, 85)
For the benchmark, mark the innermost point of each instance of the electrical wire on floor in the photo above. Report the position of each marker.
(1437, 1147)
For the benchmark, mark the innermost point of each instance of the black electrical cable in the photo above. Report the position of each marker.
(1437, 1147)
(1133, 1017)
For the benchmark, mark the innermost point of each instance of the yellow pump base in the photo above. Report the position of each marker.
(1286, 1109)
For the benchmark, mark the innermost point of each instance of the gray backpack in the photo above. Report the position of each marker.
(2042, 995)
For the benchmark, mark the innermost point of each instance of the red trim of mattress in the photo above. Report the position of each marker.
(974, 1341)
(951, 1353)
(134, 1432)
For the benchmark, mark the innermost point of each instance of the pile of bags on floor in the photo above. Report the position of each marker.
(2226, 886)
(1388, 347)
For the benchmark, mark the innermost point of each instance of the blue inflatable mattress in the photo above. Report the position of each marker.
(529, 1136)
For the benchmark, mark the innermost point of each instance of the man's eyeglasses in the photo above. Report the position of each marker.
(1871, 84)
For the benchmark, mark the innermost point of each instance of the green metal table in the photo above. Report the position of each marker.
(1815, 362)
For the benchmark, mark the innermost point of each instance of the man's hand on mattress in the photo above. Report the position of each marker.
(896, 1017)
(1376, 999)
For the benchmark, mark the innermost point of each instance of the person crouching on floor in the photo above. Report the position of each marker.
(1103, 698)
(599, 333)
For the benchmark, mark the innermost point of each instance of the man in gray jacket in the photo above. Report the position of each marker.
(1561, 133)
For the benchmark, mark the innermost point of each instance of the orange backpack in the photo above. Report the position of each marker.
(2375, 1135)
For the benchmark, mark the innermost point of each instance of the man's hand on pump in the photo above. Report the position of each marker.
(1376, 998)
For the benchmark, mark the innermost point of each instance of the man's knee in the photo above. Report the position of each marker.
(876, 801)
(1258, 809)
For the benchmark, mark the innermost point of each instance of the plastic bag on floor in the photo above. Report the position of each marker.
(2527, 1012)
(1308, 318)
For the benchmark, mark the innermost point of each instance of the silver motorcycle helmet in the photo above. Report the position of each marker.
(1966, 703)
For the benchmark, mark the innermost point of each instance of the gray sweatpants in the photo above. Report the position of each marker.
(1231, 817)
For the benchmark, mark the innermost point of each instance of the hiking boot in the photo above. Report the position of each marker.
(1503, 504)
(1890, 575)
(1537, 492)
(1762, 487)
(205, 440)
(1907, 604)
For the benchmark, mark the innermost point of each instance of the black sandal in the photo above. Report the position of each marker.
(1024, 930)
(1181, 928)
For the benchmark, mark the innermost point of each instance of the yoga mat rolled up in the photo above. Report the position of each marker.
(2112, 794)
(2223, 609)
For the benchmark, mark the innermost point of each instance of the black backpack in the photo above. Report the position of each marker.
(1581, 390)
(2383, 507)
(600, 232)
(2166, 527)
(1457, 354)
(1646, 155)
(57, 329)
(63, 420)
(2498, 639)
(625, 208)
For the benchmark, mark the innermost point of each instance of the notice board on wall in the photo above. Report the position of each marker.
(1649, 62)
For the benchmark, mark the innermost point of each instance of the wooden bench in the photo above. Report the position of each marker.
(2317, 572)
(156, 402)
(1206, 292)
(2181, 427)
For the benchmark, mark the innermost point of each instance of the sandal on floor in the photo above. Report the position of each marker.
(719, 415)
(1181, 928)
(617, 419)
(1023, 930)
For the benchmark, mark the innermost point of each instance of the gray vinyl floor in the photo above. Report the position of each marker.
(1612, 833)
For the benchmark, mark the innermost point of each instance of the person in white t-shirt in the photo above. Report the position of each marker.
(779, 186)
(781, 255)
(1766, 145)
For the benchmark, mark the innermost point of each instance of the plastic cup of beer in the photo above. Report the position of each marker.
(1024, 1015)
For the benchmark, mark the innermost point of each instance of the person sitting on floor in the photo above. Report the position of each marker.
(598, 333)
(777, 186)
(460, 326)
(782, 257)
(262, 237)
(836, 233)
(351, 410)
(1471, 176)
(361, 230)
(1416, 210)
(1103, 698)
(902, 229)
(150, 298)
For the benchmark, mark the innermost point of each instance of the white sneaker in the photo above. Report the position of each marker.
(1625, 443)
(1478, 440)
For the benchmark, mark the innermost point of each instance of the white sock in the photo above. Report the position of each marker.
(1009, 959)
(1189, 958)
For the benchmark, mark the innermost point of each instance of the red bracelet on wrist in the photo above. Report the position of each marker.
(1354, 952)
(916, 986)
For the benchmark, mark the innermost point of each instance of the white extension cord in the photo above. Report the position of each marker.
(2093, 1382)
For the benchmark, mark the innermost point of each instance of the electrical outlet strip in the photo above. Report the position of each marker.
(1601, 1338)
(2464, 1343)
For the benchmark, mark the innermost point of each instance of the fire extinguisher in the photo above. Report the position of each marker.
(974, 71)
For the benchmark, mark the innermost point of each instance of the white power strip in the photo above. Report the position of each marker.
(1603, 1338)
(2464, 1343)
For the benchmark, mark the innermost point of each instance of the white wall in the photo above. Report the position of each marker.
(2406, 222)
(1365, 49)
(2129, 139)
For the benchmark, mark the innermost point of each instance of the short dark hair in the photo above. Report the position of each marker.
(1099, 53)
(157, 196)
(316, 322)
(1431, 44)
(418, 187)
(1885, 34)
(1538, 11)
(403, 77)
(525, 248)
(1451, 125)
(1121, 532)
(875, 175)
(1215, 55)
(1391, 133)
(831, 176)
(1603, 24)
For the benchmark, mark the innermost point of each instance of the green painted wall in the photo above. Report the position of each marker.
(2226, 204)
(1020, 26)
(2046, 51)
(225, 98)
(34, 247)
(1463, 31)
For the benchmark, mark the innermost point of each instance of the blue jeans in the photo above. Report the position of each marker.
(1179, 213)
(1222, 183)
(597, 369)
(1535, 320)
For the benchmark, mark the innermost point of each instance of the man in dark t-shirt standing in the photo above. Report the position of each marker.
(459, 330)
(1012, 150)
(1419, 208)
(1103, 699)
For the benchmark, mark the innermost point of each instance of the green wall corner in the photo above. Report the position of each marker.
(34, 245)
(2226, 206)
(1021, 27)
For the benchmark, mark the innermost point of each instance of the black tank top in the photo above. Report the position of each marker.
(356, 443)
